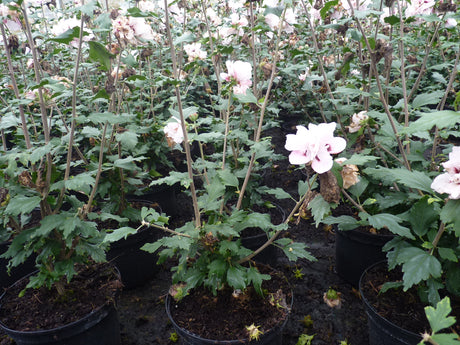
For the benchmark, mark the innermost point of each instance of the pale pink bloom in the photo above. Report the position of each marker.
(236, 4)
(213, 16)
(450, 23)
(238, 20)
(173, 132)
(362, 5)
(449, 182)
(239, 72)
(30, 63)
(142, 30)
(355, 72)
(129, 30)
(31, 94)
(290, 16)
(271, 3)
(63, 25)
(273, 21)
(14, 26)
(147, 6)
(4, 10)
(194, 52)
(420, 7)
(357, 121)
(314, 146)
(303, 76)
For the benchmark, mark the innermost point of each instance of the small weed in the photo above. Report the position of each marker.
(305, 339)
(174, 337)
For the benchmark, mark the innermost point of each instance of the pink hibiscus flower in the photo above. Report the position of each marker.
(314, 146)
(241, 73)
(449, 182)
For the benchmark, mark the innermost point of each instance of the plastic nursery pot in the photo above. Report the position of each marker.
(269, 255)
(381, 330)
(100, 327)
(165, 196)
(272, 337)
(357, 250)
(136, 266)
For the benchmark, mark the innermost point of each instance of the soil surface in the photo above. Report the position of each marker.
(40, 309)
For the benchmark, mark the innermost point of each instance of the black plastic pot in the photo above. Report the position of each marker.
(355, 251)
(136, 266)
(381, 330)
(269, 255)
(100, 327)
(272, 337)
(165, 196)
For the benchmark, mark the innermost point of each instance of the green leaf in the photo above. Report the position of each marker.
(22, 204)
(98, 53)
(392, 20)
(422, 215)
(391, 222)
(128, 139)
(152, 247)
(343, 222)
(256, 278)
(218, 267)
(279, 193)
(187, 37)
(119, 233)
(69, 225)
(48, 224)
(228, 178)
(439, 317)
(236, 278)
(247, 97)
(358, 159)
(295, 251)
(327, 6)
(447, 254)
(173, 178)
(446, 339)
(39, 152)
(427, 98)
(67, 36)
(441, 119)
(102, 118)
(319, 208)
(179, 242)
(419, 266)
(411, 179)
(127, 163)
(81, 182)
(450, 215)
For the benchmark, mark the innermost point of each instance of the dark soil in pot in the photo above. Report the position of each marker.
(403, 309)
(226, 315)
(42, 309)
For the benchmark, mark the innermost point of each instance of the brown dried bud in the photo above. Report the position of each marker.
(25, 179)
(114, 14)
(128, 73)
(13, 43)
(329, 187)
(145, 53)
